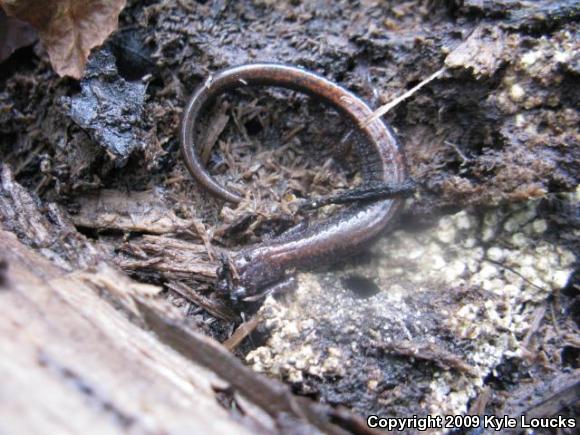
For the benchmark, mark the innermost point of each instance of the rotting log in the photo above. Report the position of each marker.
(85, 348)
(94, 350)
(71, 362)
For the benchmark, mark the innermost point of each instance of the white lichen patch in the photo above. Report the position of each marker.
(517, 93)
(463, 290)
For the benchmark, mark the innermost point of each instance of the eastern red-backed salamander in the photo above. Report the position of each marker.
(255, 270)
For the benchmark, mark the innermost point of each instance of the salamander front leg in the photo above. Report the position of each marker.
(246, 277)
(289, 283)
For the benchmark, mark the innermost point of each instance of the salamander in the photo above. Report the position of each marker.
(257, 269)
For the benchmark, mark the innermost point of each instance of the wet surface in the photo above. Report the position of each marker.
(109, 107)
(460, 292)
(454, 301)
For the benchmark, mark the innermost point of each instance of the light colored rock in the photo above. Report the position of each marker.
(476, 282)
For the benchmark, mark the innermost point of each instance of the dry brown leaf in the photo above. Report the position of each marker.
(69, 29)
(14, 34)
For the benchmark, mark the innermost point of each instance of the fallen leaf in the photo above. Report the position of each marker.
(69, 29)
(14, 34)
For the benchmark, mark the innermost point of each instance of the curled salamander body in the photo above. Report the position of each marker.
(257, 269)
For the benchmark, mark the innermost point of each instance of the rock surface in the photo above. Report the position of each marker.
(419, 325)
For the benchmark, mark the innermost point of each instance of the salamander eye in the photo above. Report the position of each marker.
(238, 294)
(222, 285)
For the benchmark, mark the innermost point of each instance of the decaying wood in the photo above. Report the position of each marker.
(66, 351)
(112, 352)
(557, 395)
(427, 352)
(242, 332)
(217, 309)
(171, 257)
(51, 233)
(144, 212)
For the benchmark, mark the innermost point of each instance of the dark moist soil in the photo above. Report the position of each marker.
(498, 127)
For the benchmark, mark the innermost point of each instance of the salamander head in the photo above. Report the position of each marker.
(243, 277)
(228, 282)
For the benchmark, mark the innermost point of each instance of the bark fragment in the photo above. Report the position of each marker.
(109, 107)
(140, 212)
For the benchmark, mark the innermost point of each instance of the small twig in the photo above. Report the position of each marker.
(213, 307)
(292, 133)
(241, 333)
(428, 352)
(458, 151)
(555, 320)
(512, 270)
(205, 238)
(385, 108)
(480, 403)
(186, 6)
(564, 398)
(538, 317)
